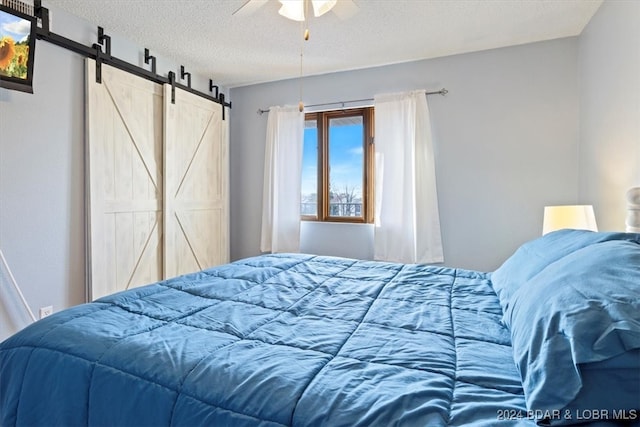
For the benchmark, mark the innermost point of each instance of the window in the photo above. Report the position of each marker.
(337, 166)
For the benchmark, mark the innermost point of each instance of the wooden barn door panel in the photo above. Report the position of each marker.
(196, 184)
(124, 158)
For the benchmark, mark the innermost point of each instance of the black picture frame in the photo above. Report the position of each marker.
(15, 74)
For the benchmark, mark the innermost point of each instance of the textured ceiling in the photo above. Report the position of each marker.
(237, 50)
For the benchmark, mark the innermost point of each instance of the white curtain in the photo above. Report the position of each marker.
(407, 220)
(282, 174)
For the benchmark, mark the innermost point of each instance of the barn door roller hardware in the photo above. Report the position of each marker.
(95, 52)
(103, 40)
(184, 74)
(212, 87)
(150, 58)
(172, 82)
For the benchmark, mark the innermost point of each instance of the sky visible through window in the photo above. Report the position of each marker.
(310, 160)
(345, 160)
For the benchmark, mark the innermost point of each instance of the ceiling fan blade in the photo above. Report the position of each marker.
(345, 9)
(249, 7)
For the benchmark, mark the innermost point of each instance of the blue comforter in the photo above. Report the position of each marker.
(275, 340)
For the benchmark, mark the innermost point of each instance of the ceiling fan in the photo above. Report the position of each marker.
(300, 10)
(295, 9)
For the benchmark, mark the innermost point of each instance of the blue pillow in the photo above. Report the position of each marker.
(532, 257)
(575, 329)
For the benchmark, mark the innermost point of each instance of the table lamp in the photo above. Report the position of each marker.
(579, 217)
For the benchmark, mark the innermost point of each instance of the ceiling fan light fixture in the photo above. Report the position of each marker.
(320, 7)
(292, 9)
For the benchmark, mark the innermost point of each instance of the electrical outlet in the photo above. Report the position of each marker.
(46, 311)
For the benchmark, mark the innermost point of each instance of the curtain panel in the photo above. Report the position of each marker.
(282, 175)
(407, 225)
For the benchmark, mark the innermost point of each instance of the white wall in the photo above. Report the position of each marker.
(42, 217)
(505, 139)
(610, 110)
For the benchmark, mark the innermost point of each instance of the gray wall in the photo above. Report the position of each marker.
(506, 143)
(42, 185)
(610, 110)
(42, 217)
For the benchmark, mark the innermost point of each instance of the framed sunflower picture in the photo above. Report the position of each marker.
(17, 46)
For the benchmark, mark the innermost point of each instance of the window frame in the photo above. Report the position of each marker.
(323, 119)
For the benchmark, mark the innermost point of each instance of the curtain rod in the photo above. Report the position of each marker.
(442, 92)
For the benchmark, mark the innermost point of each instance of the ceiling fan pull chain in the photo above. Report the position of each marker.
(304, 38)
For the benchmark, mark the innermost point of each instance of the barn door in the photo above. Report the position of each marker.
(124, 158)
(196, 181)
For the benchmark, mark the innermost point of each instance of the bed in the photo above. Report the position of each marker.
(551, 337)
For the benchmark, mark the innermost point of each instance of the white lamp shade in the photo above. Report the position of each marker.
(320, 7)
(292, 9)
(578, 217)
